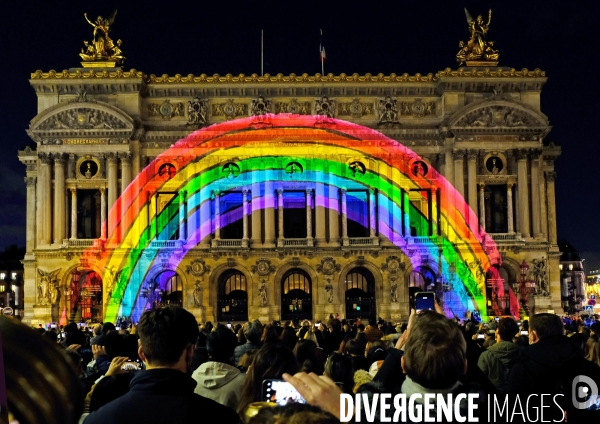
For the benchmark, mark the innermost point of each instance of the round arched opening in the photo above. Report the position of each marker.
(232, 298)
(360, 294)
(296, 300)
(84, 296)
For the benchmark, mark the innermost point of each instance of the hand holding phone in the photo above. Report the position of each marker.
(280, 392)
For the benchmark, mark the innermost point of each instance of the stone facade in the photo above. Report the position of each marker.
(483, 130)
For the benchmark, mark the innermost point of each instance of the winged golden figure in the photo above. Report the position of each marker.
(102, 48)
(478, 50)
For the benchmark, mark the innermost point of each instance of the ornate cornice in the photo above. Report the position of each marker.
(280, 78)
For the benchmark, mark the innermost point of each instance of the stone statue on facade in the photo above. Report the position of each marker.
(262, 292)
(102, 49)
(197, 111)
(394, 290)
(388, 112)
(47, 287)
(539, 276)
(329, 290)
(198, 293)
(478, 48)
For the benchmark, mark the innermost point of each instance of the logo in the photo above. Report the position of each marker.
(584, 392)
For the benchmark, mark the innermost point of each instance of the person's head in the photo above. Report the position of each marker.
(354, 347)
(360, 328)
(372, 322)
(295, 322)
(592, 349)
(543, 326)
(310, 335)
(271, 362)
(595, 328)
(51, 335)
(305, 352)
(220, 345)
(435, 352)
(270, 335)
(340, 368)
(43, 382)
(253, 331)
(334, 325)
(167, 338)
(107, 327)
(293, 413)
(506, 330)
(97, 329)
(247, 358)
(70, 328)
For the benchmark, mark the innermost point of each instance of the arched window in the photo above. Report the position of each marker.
(421, 277)
(234, 281)
(360, 294)
(296, 280)
(358, 280)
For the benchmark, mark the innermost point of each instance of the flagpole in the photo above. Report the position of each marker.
(261, 54)
(321, 54)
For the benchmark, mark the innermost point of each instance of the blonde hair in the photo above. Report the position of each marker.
(310, 335)
(592, 349)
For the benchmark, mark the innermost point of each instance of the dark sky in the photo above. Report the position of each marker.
(222, 37)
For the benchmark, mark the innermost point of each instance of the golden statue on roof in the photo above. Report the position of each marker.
(102, 52)
(478, 51)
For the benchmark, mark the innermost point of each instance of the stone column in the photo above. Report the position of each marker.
(459, 176)
(320, 227)
(125, 170)
(217, 215)
(550, 177)
(334, 212)
(472, 178)
(280, 217)
(406, 215)
(543, 207)
(113, 190)
(30, 240)
(509, 209)
(269, 206)
(441, 163)
(39, 225)
(523, 187)
(256, 215)
(372, 217)
(182, 216)
(103, 213)
(535, 193)
(59, 199)
(309, 234)
(71, 166)
(46, 202)
(245, 217)
(482, 206)
(345, 240)
(74, 213)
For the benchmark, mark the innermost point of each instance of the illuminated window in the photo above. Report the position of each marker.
(14, 275)
(235, 281)
(296, 280)
(2, 275)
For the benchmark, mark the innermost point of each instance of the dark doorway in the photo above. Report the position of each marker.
(360, 294)
(296, 299)
(88, 214)
(232, 299)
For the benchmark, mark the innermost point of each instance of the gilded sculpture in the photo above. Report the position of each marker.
(102, 51)
(48, 287)
(478, 51)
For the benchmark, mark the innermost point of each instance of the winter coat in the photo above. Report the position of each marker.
(240, 350)
(220, 382)
(495, 363)
(161, 395)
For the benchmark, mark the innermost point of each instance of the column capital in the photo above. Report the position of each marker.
(343, 190)
(510, 185)
(550, 175)
(102, 190)
(472, 154)
(309, 191)
(245, 192)
(216, 193)
(59, 158)
(521, 154)
(458, 154)
(30, 181)
(481, 186)
(279, 191)
(125, 157)
(536, 154)
(73, 191)
(45, 158)
(112, 158)
(434, 190)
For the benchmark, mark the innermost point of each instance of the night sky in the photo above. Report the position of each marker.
(561, 38)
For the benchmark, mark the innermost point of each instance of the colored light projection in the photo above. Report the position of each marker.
(159, 208)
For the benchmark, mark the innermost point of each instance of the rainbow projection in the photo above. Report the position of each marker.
(258, 153)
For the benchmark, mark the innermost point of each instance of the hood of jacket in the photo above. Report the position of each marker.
(213, 375)
(504, 351)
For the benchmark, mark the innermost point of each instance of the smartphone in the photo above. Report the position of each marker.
(228, 325)
(481, 336)
(131, 365)
(524, 333)
(52, 325)
(497, 319)
(424, 301)
(118, 328)
(280, 392)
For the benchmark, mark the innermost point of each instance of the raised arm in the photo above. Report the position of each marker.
(489, 18)
(90, 22)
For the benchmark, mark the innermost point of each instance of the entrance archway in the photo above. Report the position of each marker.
(232, 298)
(84, 296)
(296, 298)
(360, 294)
(165, 289)
(421, 279)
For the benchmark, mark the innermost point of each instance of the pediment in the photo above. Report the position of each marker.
(499, 116)
(91, 119)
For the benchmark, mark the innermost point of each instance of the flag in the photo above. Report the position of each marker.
(322, 48)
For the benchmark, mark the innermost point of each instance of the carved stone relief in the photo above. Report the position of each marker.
(325, 107)
(355, 109)
(230, 109)
(197, 268)
(166, 109)
(393, 265)
(328, 266)
(388, 112)
(197, 111)
(82, 119)
(48, 287)
(417, 108)
(260, 106)
(498, 116)
(263, 267)
(295, 107)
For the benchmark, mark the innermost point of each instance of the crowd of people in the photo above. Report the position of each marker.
(170, 368)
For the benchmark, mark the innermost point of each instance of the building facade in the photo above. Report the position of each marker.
(281, 197)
